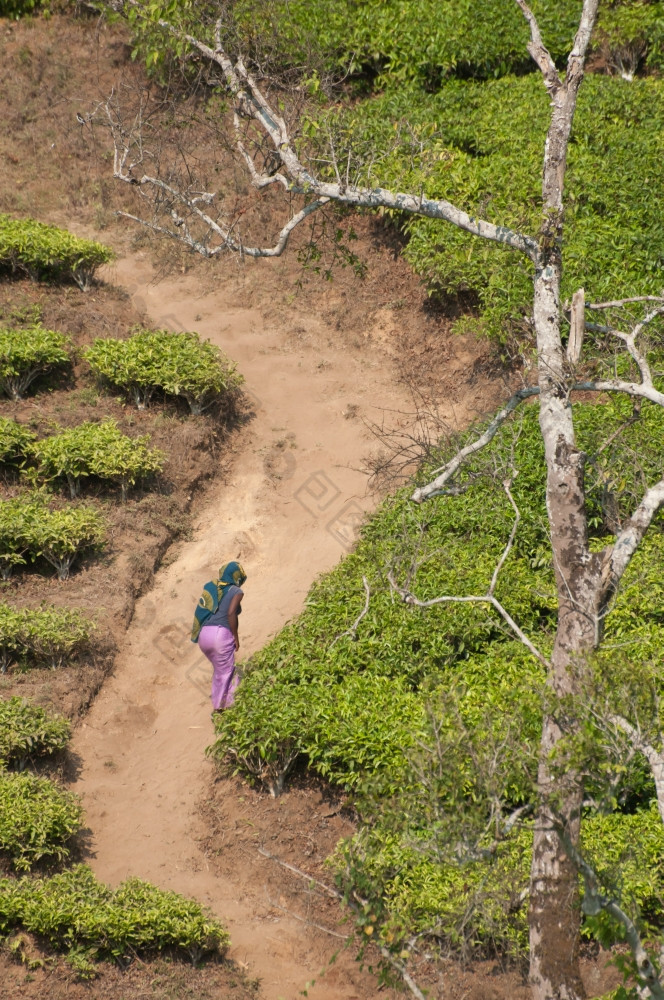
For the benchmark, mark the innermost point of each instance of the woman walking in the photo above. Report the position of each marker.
(215, 629)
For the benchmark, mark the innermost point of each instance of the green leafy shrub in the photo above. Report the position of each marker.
(382, 42)
(46, 635)
(178, 364)
(63, 534)
(74, 911)
(458, 144)
(36, 819)
(16, 9)
(28, 731)
(29, 528)
(27, 353)
(487, 896)
(15, 440)
(19, 518)
(631, 34)
(46, 251)
(350, 731)
(96, 449)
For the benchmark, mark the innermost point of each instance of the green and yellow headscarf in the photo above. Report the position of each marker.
(230, 574)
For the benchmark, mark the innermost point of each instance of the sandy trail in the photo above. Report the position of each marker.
(141, 748)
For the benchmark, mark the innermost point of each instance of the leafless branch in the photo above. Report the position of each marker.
(437, 486)
(394, 962)
(510, 541)
(636, 415)
(618, 555)
(488, 598)
(540, 53)
(352, 631)
(618, 303)
(294, 176)
(308, 921)
(595, 901)
(654, 757)
(636, 389)
(403, 972)
(576, 327)
(298, 871)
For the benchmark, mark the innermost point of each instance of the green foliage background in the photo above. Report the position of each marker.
(481, 148)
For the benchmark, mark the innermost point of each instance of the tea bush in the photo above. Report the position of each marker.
(44, 636)
(614, 242)
(16, 9)
(416, 892)
(63, 534)
(28, 731)
(15, 440)
(381, 42)
(30, 529)
(96, 449)
(75, 912)
(19, 518)
(178, 364)
(42, 251)
(37, 819)
(350, 731)
(27, 353)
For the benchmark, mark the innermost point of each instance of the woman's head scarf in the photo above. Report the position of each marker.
(231, 574)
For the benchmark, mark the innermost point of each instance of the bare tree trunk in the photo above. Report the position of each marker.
(555, 911)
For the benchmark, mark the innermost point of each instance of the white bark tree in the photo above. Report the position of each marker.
(586, 581)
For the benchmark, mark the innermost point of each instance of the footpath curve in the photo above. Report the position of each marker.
(286, 509)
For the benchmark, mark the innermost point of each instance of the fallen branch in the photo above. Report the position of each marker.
(297, 871)
(394, 962)
(308, 922)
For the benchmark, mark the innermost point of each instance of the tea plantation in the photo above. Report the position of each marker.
(431, 718)
(45, 528)
(69, 909)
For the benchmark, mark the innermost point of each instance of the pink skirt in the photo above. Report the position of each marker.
(218, 644)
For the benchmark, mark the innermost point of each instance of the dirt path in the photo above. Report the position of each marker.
(287, 511)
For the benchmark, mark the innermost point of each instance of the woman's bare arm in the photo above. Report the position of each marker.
(233, 608)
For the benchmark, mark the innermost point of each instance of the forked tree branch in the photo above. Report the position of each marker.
(539, 52)
(489, 597)
(293, 174)
(618, 555)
